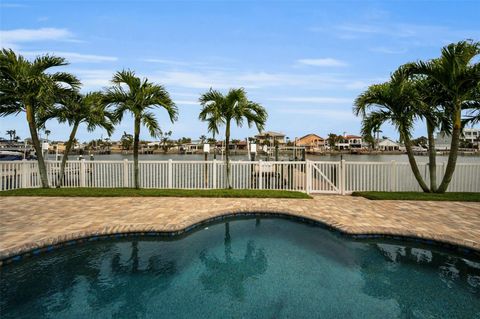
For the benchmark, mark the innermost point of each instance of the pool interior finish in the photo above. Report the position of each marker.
(243, 268)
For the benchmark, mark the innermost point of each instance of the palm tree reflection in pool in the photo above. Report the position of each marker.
(230, 274)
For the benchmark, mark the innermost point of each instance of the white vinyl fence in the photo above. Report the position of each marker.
(339, 177)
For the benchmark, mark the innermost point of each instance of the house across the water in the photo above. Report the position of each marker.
(311, 142)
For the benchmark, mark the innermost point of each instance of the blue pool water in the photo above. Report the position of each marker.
(247, 268)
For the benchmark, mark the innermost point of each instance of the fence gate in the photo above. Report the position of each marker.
(324, 177)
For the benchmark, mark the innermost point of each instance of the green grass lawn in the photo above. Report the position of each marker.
(463, 197)
(130, 192)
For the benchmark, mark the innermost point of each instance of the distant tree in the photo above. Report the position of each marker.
(127, 141)
(165, 142)
(202, 139)
(184, 140)
(47, 133)
(11, 134)
(420, 141)
(332, 140)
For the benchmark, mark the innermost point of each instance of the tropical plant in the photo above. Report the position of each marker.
(211, 113)
(12, 134)
(394, 102)
(236, 107)
(332, 140)
(75, 109)
(184, 140)
(47, 133)
(165, 141)
(458, 76)
(25, 86)
(138, 96)
(127, 141)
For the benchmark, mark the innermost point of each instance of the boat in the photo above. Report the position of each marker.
(15, 155)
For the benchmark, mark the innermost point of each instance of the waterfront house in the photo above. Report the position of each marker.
(271, 138)
(387, 144)
(471, 136)
(311, 142)
(192, 147)
(354, 141)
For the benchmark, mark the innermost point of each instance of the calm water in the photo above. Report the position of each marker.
(255, 268)
(283, 157)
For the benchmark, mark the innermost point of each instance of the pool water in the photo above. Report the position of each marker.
(243, 268)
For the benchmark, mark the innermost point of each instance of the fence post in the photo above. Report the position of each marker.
(125, 173)
(308, 171)
(342, 177)
(393, 175)
(214, 174)
(260, 174)
(170, 173)
(25, 174)
(83, 174)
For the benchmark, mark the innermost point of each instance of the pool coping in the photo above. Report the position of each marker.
(17, 253)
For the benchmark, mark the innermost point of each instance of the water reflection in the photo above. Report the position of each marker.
(389, 275)
(231, 273)
(259, 267)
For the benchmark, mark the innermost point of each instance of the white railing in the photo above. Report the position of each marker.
(339, 177)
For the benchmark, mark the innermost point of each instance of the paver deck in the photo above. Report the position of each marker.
(27, 223)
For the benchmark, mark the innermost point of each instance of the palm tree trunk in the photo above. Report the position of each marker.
(413, 163)
(227, 153)
(36, 145)
(452, 156)
(432, 158)
(68, 147)
(214, 147)
(136, 141)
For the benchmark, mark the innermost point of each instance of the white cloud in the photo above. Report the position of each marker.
(407, 33)
(330, 114)
(93, 79)
(388, 50)
(12, 5)
(11, 38)
(314, 100)
(166, 61)
(327, 62)
(186, 102)
(252, 80)
(74, 57)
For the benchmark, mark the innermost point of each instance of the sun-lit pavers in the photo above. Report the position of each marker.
(31, 222)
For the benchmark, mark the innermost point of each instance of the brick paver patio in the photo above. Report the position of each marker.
(31, 222)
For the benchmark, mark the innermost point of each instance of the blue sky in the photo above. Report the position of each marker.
(304, 61)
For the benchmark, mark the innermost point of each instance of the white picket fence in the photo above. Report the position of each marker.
(339, 177)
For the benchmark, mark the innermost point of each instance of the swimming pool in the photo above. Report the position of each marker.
(243, 268)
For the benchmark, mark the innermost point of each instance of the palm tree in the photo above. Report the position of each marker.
(233, 106)
(127, 141)
(131, 94)
(11, 134)
(47, 133)
(395, 102)
(458, 77)
(332, 140)
(211, 113)
(25, 86)
(76, 109)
